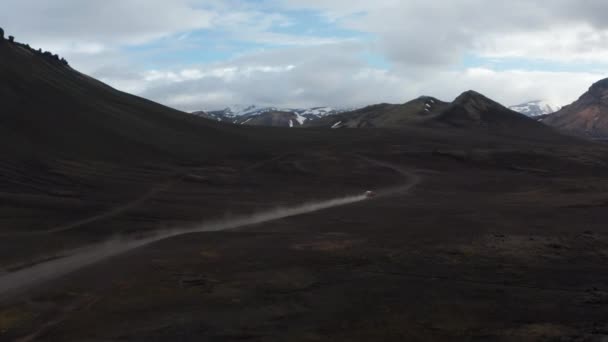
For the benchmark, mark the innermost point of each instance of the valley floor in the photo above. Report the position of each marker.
(497, 241)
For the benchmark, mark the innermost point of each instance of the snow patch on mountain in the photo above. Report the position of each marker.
(301, 119)
(536, 108)
(242, 114)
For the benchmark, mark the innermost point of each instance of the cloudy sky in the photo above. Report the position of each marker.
(206, 54)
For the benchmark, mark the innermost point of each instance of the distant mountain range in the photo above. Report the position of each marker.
(536, 108)
(394, 114)
(253, 115)
(470, 110)
(588, 116)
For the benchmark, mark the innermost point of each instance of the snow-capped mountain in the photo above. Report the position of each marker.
(536, 108)
(240, 110)
(269, 116)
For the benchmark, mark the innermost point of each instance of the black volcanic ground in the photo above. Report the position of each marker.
(503, 236)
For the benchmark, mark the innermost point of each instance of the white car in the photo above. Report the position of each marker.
(370, 194)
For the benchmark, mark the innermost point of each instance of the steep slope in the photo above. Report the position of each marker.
(385, 115)
(48, 108)
(587, 116)
(535, 108)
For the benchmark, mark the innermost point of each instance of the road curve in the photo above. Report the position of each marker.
(28, 277)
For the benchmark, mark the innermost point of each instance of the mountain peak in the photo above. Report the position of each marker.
(471, 95)
(601, 84)
(599, 90)
(475, 102)
(471, 92)
(427, 98)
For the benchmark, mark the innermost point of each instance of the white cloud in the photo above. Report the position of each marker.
(424, 42)
(61, 24)
(575, 43)
(340, 79)
(417, 33)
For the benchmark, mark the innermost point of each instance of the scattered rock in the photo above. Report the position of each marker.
(195, 281)
(596, 297)
(555, 246)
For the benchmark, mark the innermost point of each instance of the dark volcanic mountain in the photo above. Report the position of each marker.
(586, 116)
(385, 115)
(472, 109)
(50, 109)
(469, 110)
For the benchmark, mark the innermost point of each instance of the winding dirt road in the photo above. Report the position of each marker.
(28, 277)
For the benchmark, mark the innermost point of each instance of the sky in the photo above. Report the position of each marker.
(209, 54)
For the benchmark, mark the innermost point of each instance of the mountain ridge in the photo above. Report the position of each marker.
(587, 116)
(384, 114)
(254, 115)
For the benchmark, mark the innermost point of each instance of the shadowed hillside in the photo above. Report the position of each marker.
(49, 108)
